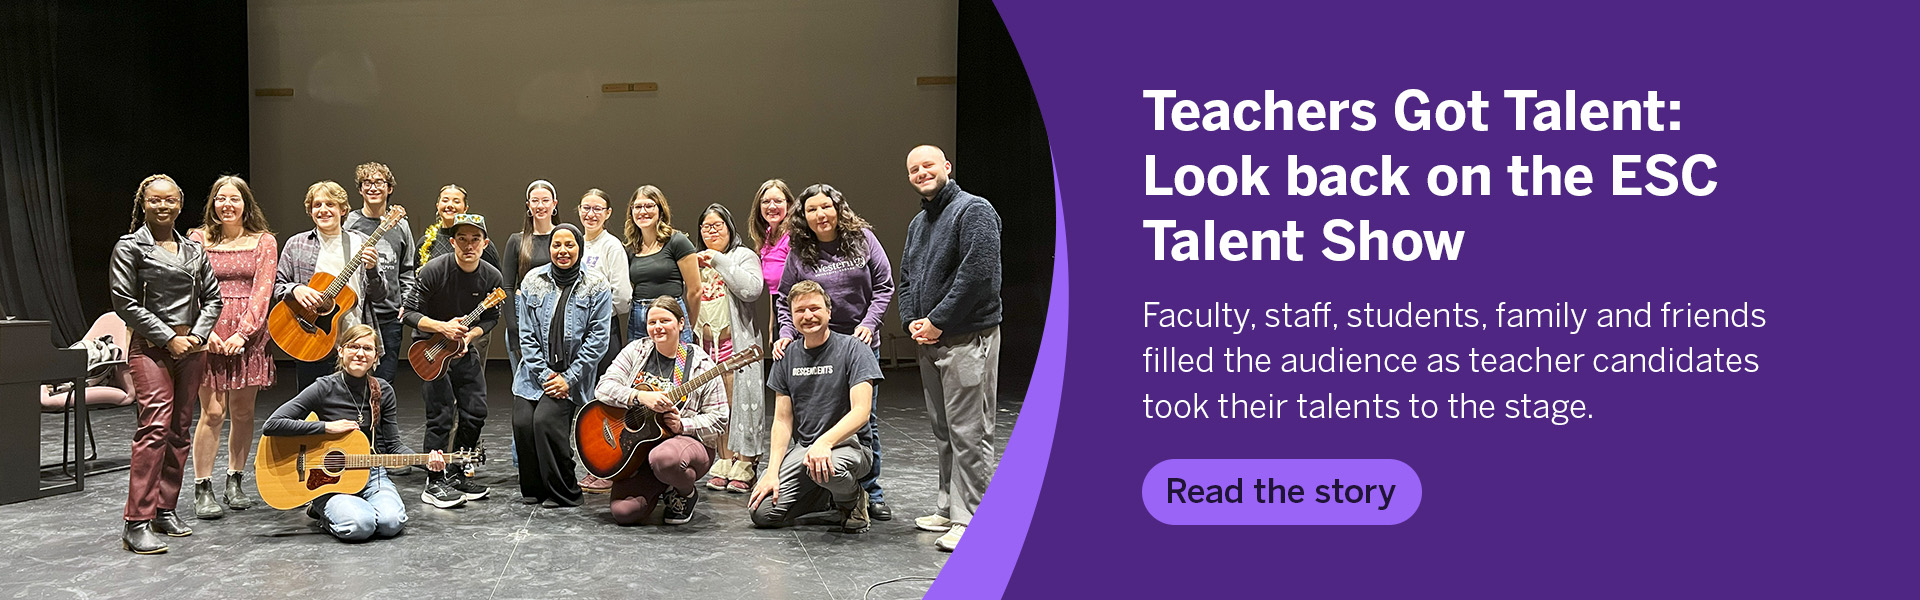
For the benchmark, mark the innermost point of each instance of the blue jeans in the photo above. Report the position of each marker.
(637, 323)
(870, 437)
(390, 349)
(374, 512)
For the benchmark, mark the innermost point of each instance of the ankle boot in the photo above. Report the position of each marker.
(167, 522)
(205, 505)
(236, 494)
(140, 539)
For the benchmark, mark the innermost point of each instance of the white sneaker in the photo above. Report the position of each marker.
(933, 523)
(952, 539)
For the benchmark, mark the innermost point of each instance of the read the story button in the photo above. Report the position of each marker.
(1333, 491)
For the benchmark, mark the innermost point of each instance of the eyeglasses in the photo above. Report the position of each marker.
(713, 227)
(373, 183)
(360, 348)
(593, 209)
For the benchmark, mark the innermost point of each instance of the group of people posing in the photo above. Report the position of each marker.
(197, 307)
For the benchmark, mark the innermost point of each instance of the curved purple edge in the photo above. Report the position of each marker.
(982, 565)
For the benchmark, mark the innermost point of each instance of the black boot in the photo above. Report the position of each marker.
(140, 539)
(205, 505)
(165, 521)
(236, 494)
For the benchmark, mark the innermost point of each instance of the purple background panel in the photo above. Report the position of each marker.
(1788, 482)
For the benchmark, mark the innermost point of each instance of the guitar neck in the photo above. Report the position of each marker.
(362, 461)
(683, 391)
(467, 321)
(359, 261)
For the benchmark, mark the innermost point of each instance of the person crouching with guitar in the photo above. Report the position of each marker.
(349, 400)
(693, 429)
(450, 309)
(565, 319)
(163, 286)
(823, 390)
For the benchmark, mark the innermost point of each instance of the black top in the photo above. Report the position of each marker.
(510, 272)
(658, 274)
(820, 381)
(335, 397)
(443, 244)
(444, 292)
(542, 242)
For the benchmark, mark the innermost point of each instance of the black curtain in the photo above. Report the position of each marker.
(1002, 155)
(36, 263)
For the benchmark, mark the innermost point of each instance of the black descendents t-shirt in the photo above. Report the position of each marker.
(820, 379)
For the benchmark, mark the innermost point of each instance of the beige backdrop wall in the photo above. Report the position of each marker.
(493, 94)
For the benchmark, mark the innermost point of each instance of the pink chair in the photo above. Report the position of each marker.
(116, 392)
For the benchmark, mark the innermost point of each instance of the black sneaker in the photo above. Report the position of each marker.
(679, 508)
(440, 492)
(468, 489)
(880, 511)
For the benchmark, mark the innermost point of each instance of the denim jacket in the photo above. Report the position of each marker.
(588, 325)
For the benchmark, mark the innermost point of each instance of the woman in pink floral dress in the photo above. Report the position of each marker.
(244, 254)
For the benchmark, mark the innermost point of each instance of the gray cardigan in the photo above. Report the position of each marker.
(740, 268)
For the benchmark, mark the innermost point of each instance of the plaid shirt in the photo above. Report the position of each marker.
(302, 252)
(705, 414)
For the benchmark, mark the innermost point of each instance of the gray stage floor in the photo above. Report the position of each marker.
(68, 546)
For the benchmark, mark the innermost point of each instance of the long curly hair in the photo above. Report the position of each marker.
(251, 219)
(848, 226)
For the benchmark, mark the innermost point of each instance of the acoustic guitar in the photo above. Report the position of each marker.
(291, 470)
(309, 335)
(429, 356)
(613, 440)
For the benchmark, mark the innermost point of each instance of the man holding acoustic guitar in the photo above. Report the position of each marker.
(453, 305)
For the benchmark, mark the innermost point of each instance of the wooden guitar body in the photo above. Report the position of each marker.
(428, 357)
(304, 334)
(613, 441)
(293, 470)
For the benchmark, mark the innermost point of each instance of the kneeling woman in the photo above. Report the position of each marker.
(348, 400)
(566, 316)
(673, 464)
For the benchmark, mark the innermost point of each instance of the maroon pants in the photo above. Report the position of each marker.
(165, 389)
(674, 463)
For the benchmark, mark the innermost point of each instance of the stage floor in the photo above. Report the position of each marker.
(69, 545)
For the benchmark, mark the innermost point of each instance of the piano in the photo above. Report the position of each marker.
(33, 360)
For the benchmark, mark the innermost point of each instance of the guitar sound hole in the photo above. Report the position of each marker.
(334, 462)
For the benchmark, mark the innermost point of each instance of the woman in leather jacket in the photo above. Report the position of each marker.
(163, 287)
